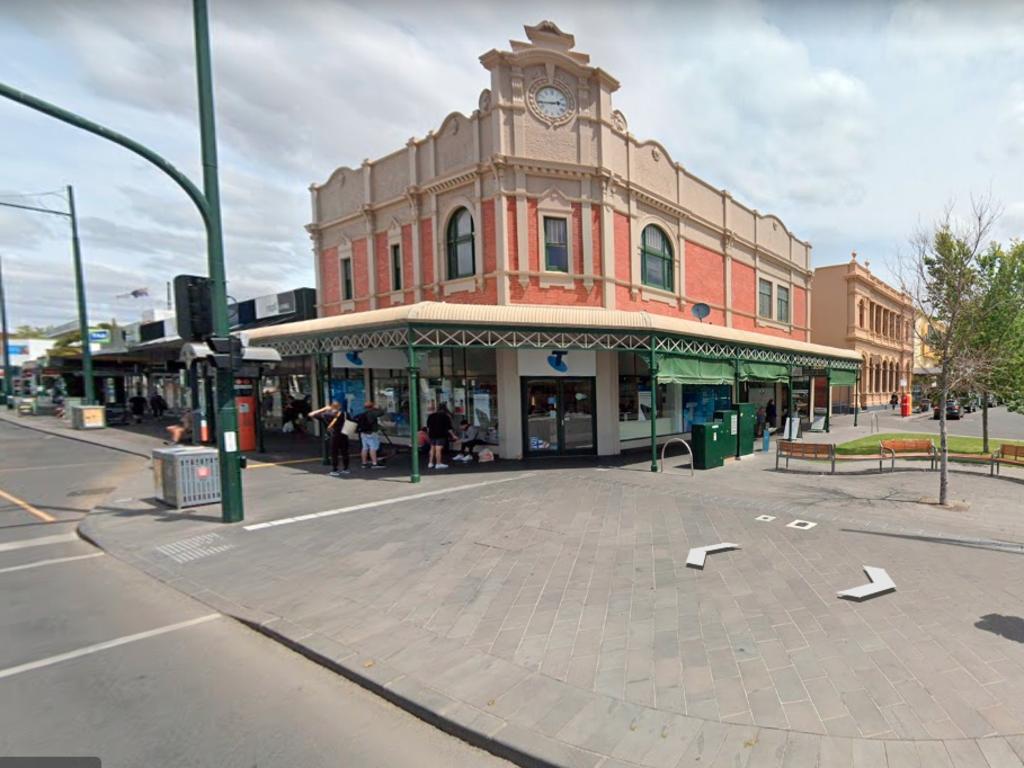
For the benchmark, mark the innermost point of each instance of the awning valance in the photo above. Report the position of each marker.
(689, 370)
(751, 371)
(843, 378)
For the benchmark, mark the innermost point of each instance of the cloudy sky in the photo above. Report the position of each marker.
(853, 121)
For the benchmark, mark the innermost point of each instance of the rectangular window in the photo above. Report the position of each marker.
(782, 302)
(396, 267)
(764, 298)
(346, 279)
(556, 245)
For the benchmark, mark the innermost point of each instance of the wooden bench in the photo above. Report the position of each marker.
(787, 449)
(1007, 454)
(906, 449)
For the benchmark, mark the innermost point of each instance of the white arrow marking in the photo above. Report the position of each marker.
(879, 585)
(695, 559)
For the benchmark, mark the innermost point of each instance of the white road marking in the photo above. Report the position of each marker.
(695, 558)
(372, 504)
(194, 548)
(801, 525)
(90, 649)
(880, 583)
(765, 518)
(39, 541)
(54, 561)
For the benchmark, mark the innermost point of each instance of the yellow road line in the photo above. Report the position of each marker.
(44, 516)
(262, 464)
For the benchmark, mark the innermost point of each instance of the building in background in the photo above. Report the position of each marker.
(856, 310)
(552, 273)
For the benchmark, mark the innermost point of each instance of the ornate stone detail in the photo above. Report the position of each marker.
(517, 88)
(531, 100)
(619, 121)
(655, 154)
(485, 100)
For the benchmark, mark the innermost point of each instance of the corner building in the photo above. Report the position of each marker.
(544, 213)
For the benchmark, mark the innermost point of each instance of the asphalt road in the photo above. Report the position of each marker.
(1001, 424)
(97, 659)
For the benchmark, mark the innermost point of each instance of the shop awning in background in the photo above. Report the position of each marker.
(750, 371)
(688, 370)
(844, 378)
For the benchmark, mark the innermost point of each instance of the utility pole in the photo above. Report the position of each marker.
(7, 341)
(83, 316)
(208, 204)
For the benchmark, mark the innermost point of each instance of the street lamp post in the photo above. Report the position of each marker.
(208, 204)
(7, 341)
(83, 315)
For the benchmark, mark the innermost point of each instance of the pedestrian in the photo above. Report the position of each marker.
(469, 438)
(894, 401)
(333, 417)
(770, 414)
(157, 405)
(137, 404)
(367, 428)
(423, 443)
(759, 430)
(183, 429)
(439, 429)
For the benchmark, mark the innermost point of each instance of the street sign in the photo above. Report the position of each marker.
(99, 334)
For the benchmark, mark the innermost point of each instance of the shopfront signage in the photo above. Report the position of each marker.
(99, 334)
(557, 362)
(274, 304)
(370, 358)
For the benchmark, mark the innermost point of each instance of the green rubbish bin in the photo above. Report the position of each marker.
(730, 431)
(747, 427)
(706, 440)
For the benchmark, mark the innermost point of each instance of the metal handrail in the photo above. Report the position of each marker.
(664, 447)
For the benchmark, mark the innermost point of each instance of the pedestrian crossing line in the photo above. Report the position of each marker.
(90, 649)
(52, 561)
(46, 517)
(382, 503)
(39, 541)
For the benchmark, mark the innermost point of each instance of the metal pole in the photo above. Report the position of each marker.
(414, 415)
(8, 384)
(232, 509)
(856, 399)
(653, 364)
(828, 398)
(83, 315)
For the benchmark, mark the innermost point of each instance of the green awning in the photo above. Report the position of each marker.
(843, 378)
(690, 370)
(750, 371)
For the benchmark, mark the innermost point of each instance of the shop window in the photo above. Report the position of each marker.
(466, 381)
(461, 247)
(556, 244)
(656, 259)
(782, 304)
(635, 401)
(390, 394)
(764, 298)
(346, 279)
(396, 267)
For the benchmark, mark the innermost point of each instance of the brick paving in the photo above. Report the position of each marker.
(554, 613)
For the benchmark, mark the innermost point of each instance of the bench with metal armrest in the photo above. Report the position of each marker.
(1007, 454)
(787, 449)
(906, 449)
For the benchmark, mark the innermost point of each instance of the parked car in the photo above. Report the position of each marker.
(969, 404)
(953, 410)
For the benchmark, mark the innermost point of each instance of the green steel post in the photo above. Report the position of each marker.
(856, 399)
(323, 379)
(828, 399)
(736, 403)
(232, 509)
(7, 352)
(83, 315)
(654, 407)
(414, 415)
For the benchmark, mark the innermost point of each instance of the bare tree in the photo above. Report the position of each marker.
(942, 276)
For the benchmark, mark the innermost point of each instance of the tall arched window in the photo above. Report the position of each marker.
(656, 258)
(861, 317)
(461, 245)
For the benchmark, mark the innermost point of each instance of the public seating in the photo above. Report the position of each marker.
(906, 449)
(787, 449)
(1012, 455)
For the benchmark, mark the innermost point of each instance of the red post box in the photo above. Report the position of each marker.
(905, 404)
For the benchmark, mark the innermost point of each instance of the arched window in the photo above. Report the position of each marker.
(861, 318)
(461, 245)
(656, 258)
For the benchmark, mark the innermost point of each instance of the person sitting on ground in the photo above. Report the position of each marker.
(439, 430)
(367, 427)
(179, 432)
(470, 437)
(333, 418)
(423, 442)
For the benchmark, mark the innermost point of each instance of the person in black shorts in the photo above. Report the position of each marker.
(439, 430)
(333, 419)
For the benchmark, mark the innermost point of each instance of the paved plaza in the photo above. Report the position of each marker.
(546, 611)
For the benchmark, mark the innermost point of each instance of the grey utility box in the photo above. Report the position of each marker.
(185, 476)
(87, 416)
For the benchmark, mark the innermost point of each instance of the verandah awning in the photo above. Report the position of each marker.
(690, 370)
(843, 378)
(751, 371)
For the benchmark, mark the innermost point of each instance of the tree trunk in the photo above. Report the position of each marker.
(984, 422)
(943, 447)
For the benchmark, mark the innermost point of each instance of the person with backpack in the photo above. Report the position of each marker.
(367, 428)
(333, 418)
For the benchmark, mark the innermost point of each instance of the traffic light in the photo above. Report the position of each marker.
(192, 306)
(227, 353)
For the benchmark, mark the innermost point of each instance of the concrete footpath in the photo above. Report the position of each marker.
(545, 612)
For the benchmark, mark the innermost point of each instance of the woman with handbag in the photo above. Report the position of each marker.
(339, 428)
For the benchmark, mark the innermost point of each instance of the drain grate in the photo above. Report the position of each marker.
(194, 548)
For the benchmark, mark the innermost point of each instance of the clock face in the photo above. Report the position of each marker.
(551, 102)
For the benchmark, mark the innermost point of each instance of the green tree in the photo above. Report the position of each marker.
(29, 332)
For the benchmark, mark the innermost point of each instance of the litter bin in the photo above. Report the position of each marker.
(707, 445)
(186, 476)
(88, 417)
(747, 427)
(730, 432)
